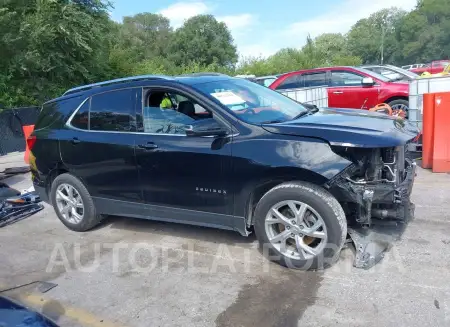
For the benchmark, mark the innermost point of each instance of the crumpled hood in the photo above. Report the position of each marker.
(349, 127)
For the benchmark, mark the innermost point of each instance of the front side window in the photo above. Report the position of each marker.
(342, 78)
(251, 102)
(113, 111)
(168, 112)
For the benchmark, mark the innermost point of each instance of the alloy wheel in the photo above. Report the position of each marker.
(400, 110)
(296, 230)
(70, 204)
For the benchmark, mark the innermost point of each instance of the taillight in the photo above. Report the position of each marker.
(31, 140)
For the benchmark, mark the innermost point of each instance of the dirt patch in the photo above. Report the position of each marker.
(273, 302)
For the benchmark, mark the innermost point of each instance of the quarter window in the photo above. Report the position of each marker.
(81, 118)
(113, 111)
(291, 82)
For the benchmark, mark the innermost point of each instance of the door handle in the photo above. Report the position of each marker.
(75, 140)
(148, 146)
(338, 92)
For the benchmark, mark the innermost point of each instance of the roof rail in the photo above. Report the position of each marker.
(114, 81)
(202, 74)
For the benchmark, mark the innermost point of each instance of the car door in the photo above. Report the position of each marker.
(97, 145)
(346, 91)
(182, 177)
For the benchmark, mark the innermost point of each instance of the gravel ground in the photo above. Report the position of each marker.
(130, 272)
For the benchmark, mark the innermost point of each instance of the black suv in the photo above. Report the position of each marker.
(217, 151)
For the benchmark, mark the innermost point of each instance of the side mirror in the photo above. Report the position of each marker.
(205, 127)
(368, 81)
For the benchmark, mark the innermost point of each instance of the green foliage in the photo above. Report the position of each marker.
(204, 40)
(323, 51)
(145, 36)
(424, 33)
(47, 46)
(56, 44)
(367, 36)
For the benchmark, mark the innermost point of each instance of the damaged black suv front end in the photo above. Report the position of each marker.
(374, 188)
(375, 194)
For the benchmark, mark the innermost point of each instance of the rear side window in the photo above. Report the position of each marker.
(56, 113)
(315, 79)
(113, 111)
(81, 118)
(291, 82)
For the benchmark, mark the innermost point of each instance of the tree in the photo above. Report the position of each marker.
(140, 38)
(146, 34)
(204, 40)
(424, 33)
(50, 45)
(370, 36)
(331, 44)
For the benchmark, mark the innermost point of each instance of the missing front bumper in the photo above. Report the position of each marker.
(372, 241)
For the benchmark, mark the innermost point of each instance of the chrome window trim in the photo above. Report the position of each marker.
(68, 122)
(70, 126)
(143, 133)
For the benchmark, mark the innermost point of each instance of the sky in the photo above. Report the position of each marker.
(262, 27)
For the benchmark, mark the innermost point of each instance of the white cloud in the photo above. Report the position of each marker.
(180, 11)
(342, 18)
(237, 22)
(338, 20)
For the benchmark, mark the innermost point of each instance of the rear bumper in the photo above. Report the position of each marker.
(39, 185)
(42, 193)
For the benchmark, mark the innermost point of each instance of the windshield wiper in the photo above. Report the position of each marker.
(274, 121)
(309, 111)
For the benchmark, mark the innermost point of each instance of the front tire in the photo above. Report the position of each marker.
(73, 204)
(300, 225)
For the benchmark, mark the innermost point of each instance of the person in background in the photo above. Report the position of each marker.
(166, 103)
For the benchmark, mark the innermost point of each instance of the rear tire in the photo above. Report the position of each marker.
(73, 204)
(313, 236)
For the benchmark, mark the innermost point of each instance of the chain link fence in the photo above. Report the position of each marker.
(11, 133)
(311, 95)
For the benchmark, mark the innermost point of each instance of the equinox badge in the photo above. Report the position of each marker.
(210, 190)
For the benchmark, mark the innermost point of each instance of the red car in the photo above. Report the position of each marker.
(435, 67)
(349, 87)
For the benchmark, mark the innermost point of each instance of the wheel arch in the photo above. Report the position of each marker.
(59, 169)
(397, 97)
(255, 190)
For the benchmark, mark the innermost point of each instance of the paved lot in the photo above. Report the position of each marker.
(130, 272)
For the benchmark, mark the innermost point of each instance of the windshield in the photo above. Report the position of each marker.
(252, 102)
(403, 71)
(373, 74)
(442, 63)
